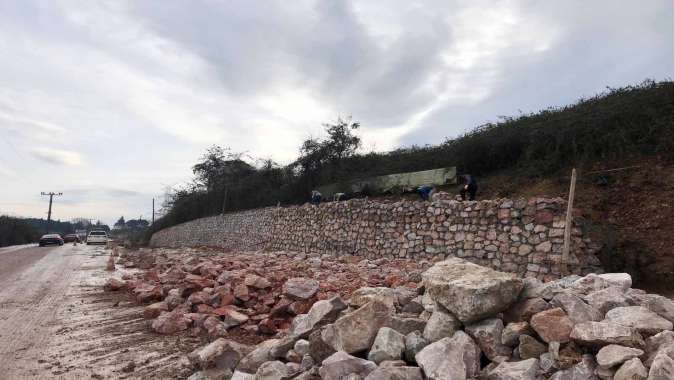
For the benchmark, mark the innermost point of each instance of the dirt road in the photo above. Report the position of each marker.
(56, 321)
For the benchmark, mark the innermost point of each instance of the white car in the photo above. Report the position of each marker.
(97, 237)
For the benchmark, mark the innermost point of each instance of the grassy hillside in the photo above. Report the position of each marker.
(619, 124)
(629, 210)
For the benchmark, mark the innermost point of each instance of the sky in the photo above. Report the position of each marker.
(112, 102)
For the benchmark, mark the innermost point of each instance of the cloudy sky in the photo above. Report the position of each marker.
(110, 102)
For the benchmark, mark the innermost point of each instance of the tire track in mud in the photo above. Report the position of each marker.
(28, 300)
(69, 328)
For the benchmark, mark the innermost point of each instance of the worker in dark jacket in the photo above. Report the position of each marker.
(316, 197)
(469, 187)
(426, 192)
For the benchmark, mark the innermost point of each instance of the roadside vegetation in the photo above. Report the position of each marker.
(618, 124)
(14, 231)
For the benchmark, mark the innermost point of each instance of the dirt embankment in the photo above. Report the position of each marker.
(631, 211)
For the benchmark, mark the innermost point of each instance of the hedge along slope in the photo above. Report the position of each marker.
(519, 236)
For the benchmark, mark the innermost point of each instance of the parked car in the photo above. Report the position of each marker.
(71, 238)
(50, 239)
(97, 237)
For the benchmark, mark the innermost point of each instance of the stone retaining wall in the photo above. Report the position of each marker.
(520, 236)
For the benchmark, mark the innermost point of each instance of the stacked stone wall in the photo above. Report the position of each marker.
(520, 236)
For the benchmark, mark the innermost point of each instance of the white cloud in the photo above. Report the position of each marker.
(57, 156)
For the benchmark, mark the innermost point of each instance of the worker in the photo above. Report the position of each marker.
(339, 197)
(316, 197)
(426, 192)
(469, 187)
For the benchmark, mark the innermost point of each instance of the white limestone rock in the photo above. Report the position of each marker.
(471, 292)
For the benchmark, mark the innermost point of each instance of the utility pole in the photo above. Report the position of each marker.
(51, 198)
(152, 210)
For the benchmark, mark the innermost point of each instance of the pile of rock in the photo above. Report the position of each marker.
(211, 292)
(466, 322)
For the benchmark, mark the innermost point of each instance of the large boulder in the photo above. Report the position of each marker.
(340, 364)
(260, 355)
(530, 347)
(469, 291)
(656, 341)
(604, 333)
(576, 308)
(552, 325)
(406, 325)
(632, 369)
(221, 353)
(566, 356)
(607, 299)
(585, 370)
(171, 322)
(356, 331)
(662, 368)
(255, 281)
(273, 370)
(548, 290)
(487, 333)
(455, 358)
(388, 345)
(154, 310)
(231, 316)
(521, 370)
(396, 373)
(238, 375)
(660, 305)
(640, 318)
(320, 314)
(300, 288)
(414, 343)
(113, 284)
(593, 282)
(367, 294)
(511, 333)
(440, 325)
(523, 310)
(613, 355)
(318, 348)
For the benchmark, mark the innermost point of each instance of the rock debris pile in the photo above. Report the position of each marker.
(458, 321)
(249, 294)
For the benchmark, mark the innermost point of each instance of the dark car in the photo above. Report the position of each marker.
(50, 239)
(71, 238)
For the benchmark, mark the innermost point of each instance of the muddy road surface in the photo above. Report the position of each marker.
(56, 322)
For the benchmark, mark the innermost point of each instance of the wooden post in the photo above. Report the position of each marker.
(568, 225)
